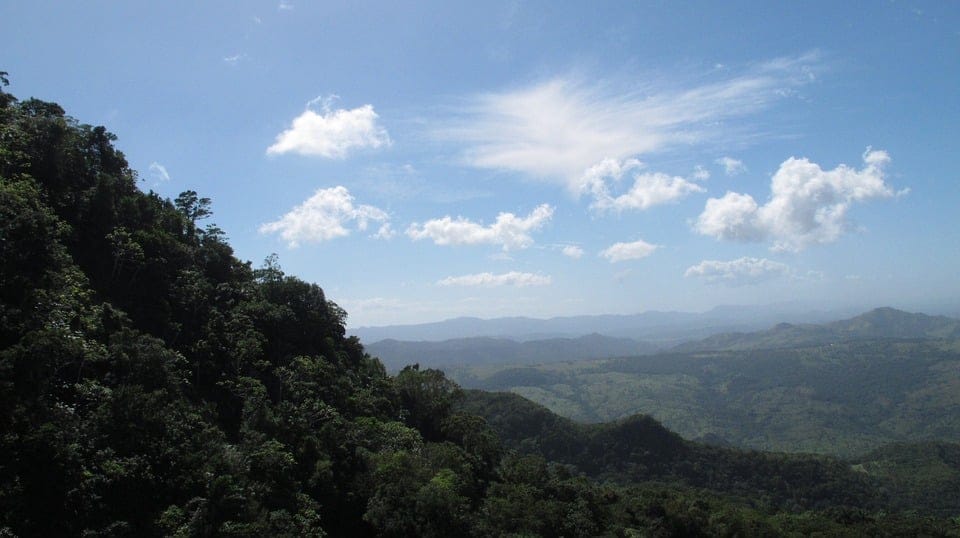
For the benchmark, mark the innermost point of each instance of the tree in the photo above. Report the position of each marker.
(190, 205)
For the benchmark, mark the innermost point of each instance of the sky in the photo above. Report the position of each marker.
(429, 160)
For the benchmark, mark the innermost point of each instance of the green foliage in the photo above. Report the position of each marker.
(842, 399)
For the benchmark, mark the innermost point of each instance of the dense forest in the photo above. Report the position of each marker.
(843, 399)
(152, 384)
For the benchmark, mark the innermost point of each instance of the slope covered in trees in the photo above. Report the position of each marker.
(152, 384)
(480, 351)
(640, 449)
(843, 399)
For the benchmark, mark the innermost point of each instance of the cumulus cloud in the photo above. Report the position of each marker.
(573, 251)
(558, 128)
(325, 216)
(331, 133)
(159, 172)
(648, 189)
(509, 231)
(595, 180)
(739, 272)
(513, 278)
(619, 252)
(731, 166)
(730, 217)
(807, 205)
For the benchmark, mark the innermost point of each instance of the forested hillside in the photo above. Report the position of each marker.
(481, 351)
(842, 399)
(152, 384)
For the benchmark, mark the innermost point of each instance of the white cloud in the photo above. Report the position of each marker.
(731, 166)
(331, 133)
(385, 231)
(285, 5)
(700, 173)
(509, 231)
(573, 251)
(558, 128)
(619, 252)
(739, 272)
(648, 190)
(513, 278)
(807, 205)
(159, 172)
(325, 216)
(730, 217)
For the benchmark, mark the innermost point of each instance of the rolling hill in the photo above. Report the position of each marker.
(879, 323)
(839, 398)
(480, 351)
(661, 328)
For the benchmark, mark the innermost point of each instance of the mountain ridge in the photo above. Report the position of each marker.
(482, 350)
(661, 327)
(879, 323)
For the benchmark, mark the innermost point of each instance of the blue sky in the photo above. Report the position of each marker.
(438, 159)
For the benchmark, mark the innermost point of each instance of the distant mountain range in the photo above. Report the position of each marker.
(480, 351)
(843, 388)
(664, 330)
(877, 323)
(661, 328)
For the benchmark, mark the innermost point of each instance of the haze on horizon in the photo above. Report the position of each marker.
(519, 158)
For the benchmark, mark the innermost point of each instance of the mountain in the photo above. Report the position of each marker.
(640, 448)
(661, 328)
(893, 323)
(877, 323)
(479, 351)
(916, 474)
(843, 398)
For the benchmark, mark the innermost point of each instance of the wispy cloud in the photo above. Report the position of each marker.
(331, 133)
(700, 173)
(234, 60)
(558, 128)
(807, 206)
(740, 272)
(619, 252)
(513, 278)
(401, 182)
(159, 172)
(385, 231)
(508, 231)
(573, 251)
(731, 166)
(285, 5)
(325, 216)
